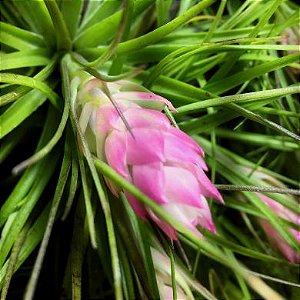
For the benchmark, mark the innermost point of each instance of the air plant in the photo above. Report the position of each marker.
(106, 111)
(140, 144)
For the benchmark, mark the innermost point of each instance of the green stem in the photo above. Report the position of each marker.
(228, 187)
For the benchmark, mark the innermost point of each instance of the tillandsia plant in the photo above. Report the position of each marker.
(105, 189)
(139, 142)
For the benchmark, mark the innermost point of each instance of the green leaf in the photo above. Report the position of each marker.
(173, 273)
(265, 17)
(34, 236)
(79, 244)
(135, 236)
(273, 142)
(37, 16)
(13, 260)
(223, 85)
(240, 98)
(159, 33)
(26, 58)
(18, 38)
(74, 182)
(123, 25)
(226, 243)
(50, 145)
(20, 110)
(102, 31)
(22, 90)
(162, 11)
(71, 11)
(62, 179)
(16, 199)
(29, 201)
(96, 12)
(63, 39)
(10, 143)
(33, 83)
(87, 201)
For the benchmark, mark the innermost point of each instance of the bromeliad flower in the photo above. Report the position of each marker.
(281, 211)
(274, 236)
(139, 143)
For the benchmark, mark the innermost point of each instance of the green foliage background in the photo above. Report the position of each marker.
(230, 68)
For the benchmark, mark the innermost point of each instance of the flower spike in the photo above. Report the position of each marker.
(125, 127)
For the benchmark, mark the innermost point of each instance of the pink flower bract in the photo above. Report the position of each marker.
(276, 239)
(159, 159)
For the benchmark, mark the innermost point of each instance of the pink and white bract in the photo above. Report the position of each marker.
(275, 238)
(159, 159)
(283, 212)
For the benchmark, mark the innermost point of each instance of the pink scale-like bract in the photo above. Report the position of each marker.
(162, 161)
(276, 239)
